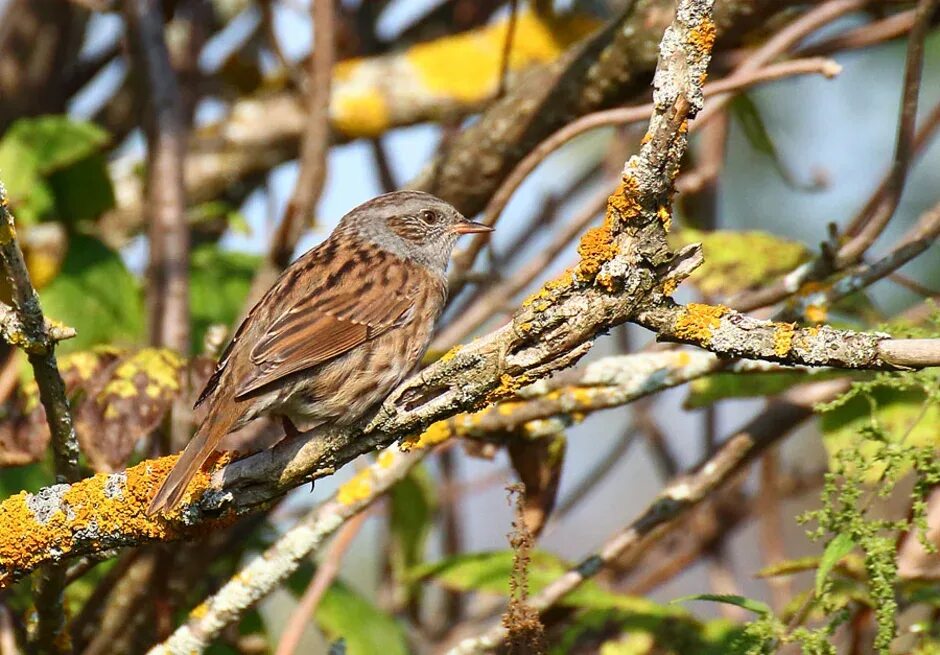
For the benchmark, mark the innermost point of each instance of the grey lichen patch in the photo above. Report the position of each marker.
(114, 485)
(46, 502)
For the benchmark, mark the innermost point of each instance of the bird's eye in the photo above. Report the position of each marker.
(429, 216)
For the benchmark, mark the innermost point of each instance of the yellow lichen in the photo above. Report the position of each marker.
(665, 217)
(360, 112)
(670, 286)
(386, 458)
(816, 313)
(783, 338)
(435, 434)
(356, 489)
(450, 354)
(467, 66)
(697, 322)
(94, 506)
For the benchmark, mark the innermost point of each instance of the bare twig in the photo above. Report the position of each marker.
(161, 104)
(866, 228)
(464, 259)
(315, 144)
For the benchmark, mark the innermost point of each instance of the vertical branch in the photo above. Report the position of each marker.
(39, 344)
(164, 123)
(313, 150)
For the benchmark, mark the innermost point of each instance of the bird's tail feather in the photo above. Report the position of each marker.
(195, 454)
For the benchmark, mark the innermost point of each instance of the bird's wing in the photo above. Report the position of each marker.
(342, 309)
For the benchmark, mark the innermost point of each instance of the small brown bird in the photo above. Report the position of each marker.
(341, 327)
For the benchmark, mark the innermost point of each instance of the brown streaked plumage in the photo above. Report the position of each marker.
(341, 327)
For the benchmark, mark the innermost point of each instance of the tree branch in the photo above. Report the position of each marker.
(30, 332)
(164, 124)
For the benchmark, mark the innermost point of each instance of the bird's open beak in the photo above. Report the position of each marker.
(471, 227)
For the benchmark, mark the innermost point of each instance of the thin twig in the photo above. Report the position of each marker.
(866, 228)
(622, 116)
(314, 147)
(507, 48)
(161, 104)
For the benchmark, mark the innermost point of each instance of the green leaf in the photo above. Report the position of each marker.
(57, 141)
(736, 261)
(490, 572)
(96, 294)
(37, 158)
(27, 191)
(751, 605)
(788, 567)
(836, 549)
(342, 613)
(31, 478)
(218, 286)
(755, 131)
(83, 191)
(412, 508)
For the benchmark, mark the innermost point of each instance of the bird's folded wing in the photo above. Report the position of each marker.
(326, 323)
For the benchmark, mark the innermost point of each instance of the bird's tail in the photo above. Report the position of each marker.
(196, 453)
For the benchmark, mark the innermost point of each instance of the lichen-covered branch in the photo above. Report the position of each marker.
(623, 262)
(732, 334)
(608, 382)
(32, 335)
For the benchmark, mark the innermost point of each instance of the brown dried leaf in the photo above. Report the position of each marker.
(24, 434)
(538, 464)
(126, 405)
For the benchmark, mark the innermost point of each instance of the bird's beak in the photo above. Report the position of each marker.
(471, 227)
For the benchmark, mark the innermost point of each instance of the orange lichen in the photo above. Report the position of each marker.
(670, 286)
(703, 35)
(112, 507)
(508, 386)
(622, 204)
(697, 322)
(597, 247)
(783, 338)
(683, 358)
(541, 299)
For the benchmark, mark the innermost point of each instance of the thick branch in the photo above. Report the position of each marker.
(732, 334)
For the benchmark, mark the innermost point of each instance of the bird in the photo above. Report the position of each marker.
(341, 327)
